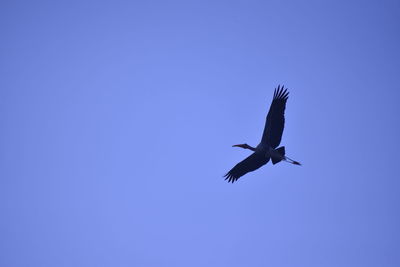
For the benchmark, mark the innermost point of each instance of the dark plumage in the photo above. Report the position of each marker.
(249, 164)
(275, 121)
(271, 139)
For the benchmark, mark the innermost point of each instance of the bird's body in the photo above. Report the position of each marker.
(267, 148)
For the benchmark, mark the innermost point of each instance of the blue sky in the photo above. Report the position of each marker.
(117, 120)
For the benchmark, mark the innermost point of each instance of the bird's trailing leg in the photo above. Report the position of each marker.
(287, 159)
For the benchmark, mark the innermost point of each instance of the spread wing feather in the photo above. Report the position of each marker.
(249, 164)
(275, 121)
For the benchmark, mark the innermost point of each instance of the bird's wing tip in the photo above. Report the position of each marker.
(281, 92)
(230, 178)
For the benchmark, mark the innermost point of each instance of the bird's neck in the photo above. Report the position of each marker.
(251, 148)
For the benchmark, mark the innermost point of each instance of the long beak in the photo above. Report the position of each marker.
(236, 145)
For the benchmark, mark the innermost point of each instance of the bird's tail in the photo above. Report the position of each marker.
(280, 151)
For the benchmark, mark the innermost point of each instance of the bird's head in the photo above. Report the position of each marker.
(245, 146)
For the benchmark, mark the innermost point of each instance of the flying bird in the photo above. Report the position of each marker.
(271, 138)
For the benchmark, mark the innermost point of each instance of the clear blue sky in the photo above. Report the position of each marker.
(117, 120)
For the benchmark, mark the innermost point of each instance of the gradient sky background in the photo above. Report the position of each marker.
(117, 120)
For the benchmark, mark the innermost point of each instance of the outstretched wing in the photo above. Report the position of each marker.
(249, 164)
(275, 122)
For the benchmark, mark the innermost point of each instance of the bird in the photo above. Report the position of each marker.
(271, 138)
